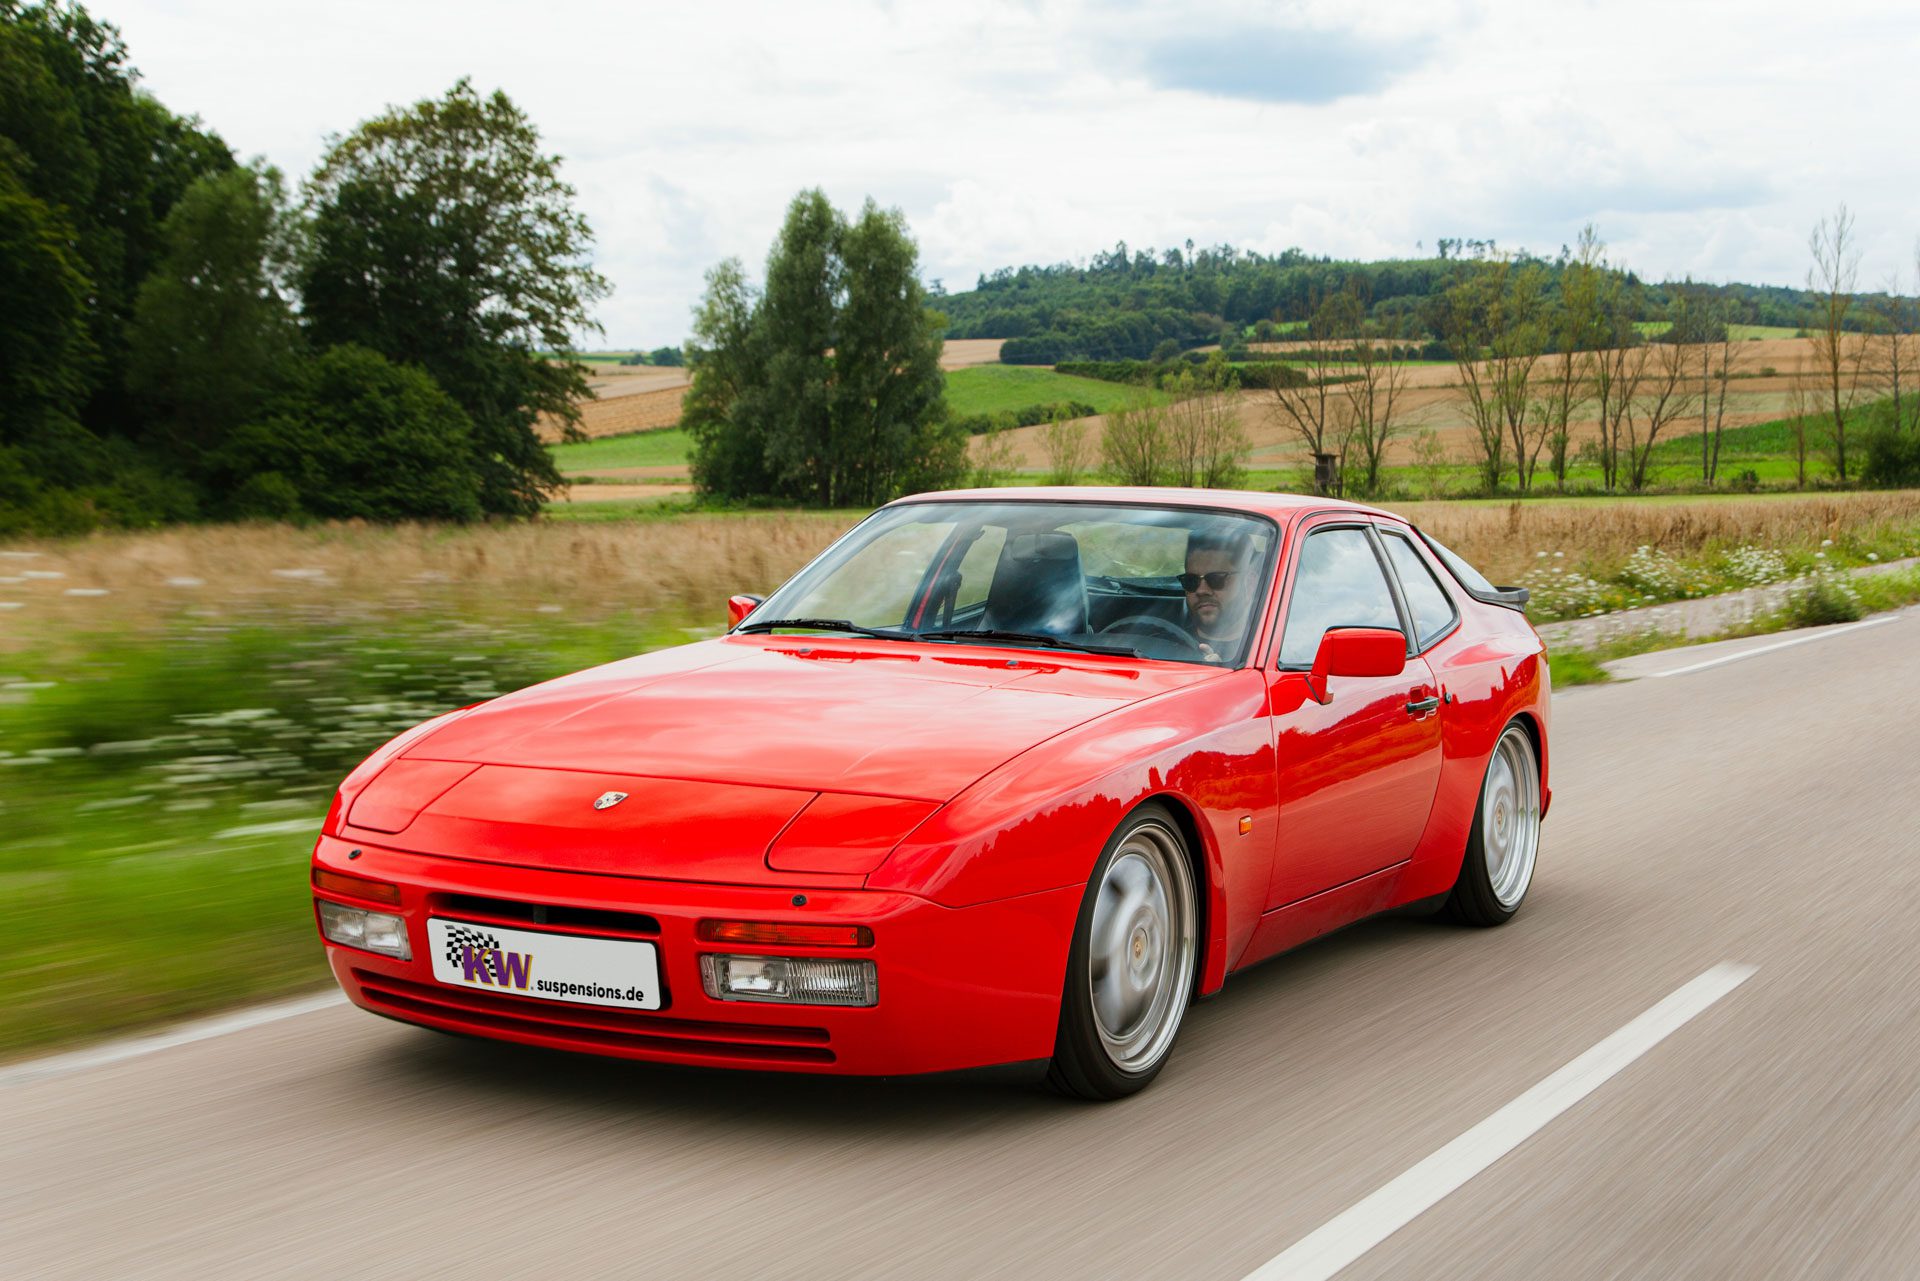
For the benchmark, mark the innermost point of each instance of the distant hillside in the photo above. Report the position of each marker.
(1124, 303)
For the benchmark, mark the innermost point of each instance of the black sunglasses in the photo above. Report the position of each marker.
(1217, 579)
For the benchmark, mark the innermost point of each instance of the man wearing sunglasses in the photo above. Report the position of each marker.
(1216, 592)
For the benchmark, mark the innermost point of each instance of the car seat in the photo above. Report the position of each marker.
(1038, 587)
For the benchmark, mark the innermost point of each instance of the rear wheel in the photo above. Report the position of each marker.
(1130, 970)
(1505, 840)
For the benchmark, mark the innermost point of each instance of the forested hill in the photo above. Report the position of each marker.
(1125, 303)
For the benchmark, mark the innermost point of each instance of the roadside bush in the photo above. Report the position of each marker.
(1893, 458)
(1821, 600)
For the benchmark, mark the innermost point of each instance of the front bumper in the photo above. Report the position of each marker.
(958, 988)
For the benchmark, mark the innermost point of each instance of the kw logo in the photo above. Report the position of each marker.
(496, 968)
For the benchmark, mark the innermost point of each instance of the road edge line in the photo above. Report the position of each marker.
(1353, 1232)
(1817, 634)
(134, 1047)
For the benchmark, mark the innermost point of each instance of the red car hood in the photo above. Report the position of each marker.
(721, 752)
(836, 715)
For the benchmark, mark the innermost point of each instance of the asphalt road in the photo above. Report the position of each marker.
(1764, 812)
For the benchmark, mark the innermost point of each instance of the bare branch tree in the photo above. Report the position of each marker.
(1719, 362)
(1133, 443)
(1576, 325)
(1665, 395)
(1373, 401)
(1800, 400)
(1893, 354)
(1614, 366)
(1315, 409)
(1463, 317)
(1515, 345)
(1204, 442)
(994, 457)
(1065, 441)
(1836, 352)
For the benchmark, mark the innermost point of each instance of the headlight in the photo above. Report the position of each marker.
(380, 932)
(789, 980)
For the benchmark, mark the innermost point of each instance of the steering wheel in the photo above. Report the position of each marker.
(1161, 627)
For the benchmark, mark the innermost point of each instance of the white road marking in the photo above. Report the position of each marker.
(185, 1034)
(1825, 633)
(1353, 1232)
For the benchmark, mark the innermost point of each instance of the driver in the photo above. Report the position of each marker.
(1216, 589)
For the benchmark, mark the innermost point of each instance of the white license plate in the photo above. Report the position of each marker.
(552, 967)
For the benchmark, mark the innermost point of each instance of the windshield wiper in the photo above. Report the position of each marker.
(1028, 638)
(821, 625)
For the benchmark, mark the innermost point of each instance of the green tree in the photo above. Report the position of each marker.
(889, 393)
(356, 435)
(825, 388)
(722, 411)
(805, 281)
(46, 351)
(212, 335)
(442, 236)
(106, 159)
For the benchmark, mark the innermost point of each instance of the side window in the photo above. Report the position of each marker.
(1339, 583)
(1430, 606)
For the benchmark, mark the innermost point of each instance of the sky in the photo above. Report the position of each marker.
(1702, 137)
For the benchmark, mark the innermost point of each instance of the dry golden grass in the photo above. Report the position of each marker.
(686, 565)
(1503, 539)
(689, 565)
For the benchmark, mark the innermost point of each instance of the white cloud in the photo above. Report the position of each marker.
(1705, 139)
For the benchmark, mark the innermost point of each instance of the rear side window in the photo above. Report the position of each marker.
(1470, 578)
(1339, 584)
(1427, 601)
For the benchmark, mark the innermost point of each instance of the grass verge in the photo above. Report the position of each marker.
(1572, 665)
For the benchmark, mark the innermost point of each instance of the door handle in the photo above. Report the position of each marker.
(1424, 706)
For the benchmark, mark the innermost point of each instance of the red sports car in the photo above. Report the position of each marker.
(1002, 775)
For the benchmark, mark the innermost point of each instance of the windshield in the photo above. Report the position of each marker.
(1172, 583)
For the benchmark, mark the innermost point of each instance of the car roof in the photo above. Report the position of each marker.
(1281, 507)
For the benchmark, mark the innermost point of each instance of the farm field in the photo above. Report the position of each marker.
(642, 400)
(647, 449)
(1762, 391)
(636, 398)
(993, 389)
(1756, 437)
(1739, 333)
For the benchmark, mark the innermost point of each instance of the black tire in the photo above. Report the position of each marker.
(1477, 899)
(1083, 1065)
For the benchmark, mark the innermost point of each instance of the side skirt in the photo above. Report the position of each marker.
(1325, 912)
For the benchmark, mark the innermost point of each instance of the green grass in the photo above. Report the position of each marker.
(994, 389)
(1739, 333)
(667, 448)
(161, 791)
(1575, 667)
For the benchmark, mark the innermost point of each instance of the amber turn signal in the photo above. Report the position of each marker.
(357, 886)
(769, 934)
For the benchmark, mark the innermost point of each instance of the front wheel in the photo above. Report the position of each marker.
(1130, 969)
(1505, 839)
